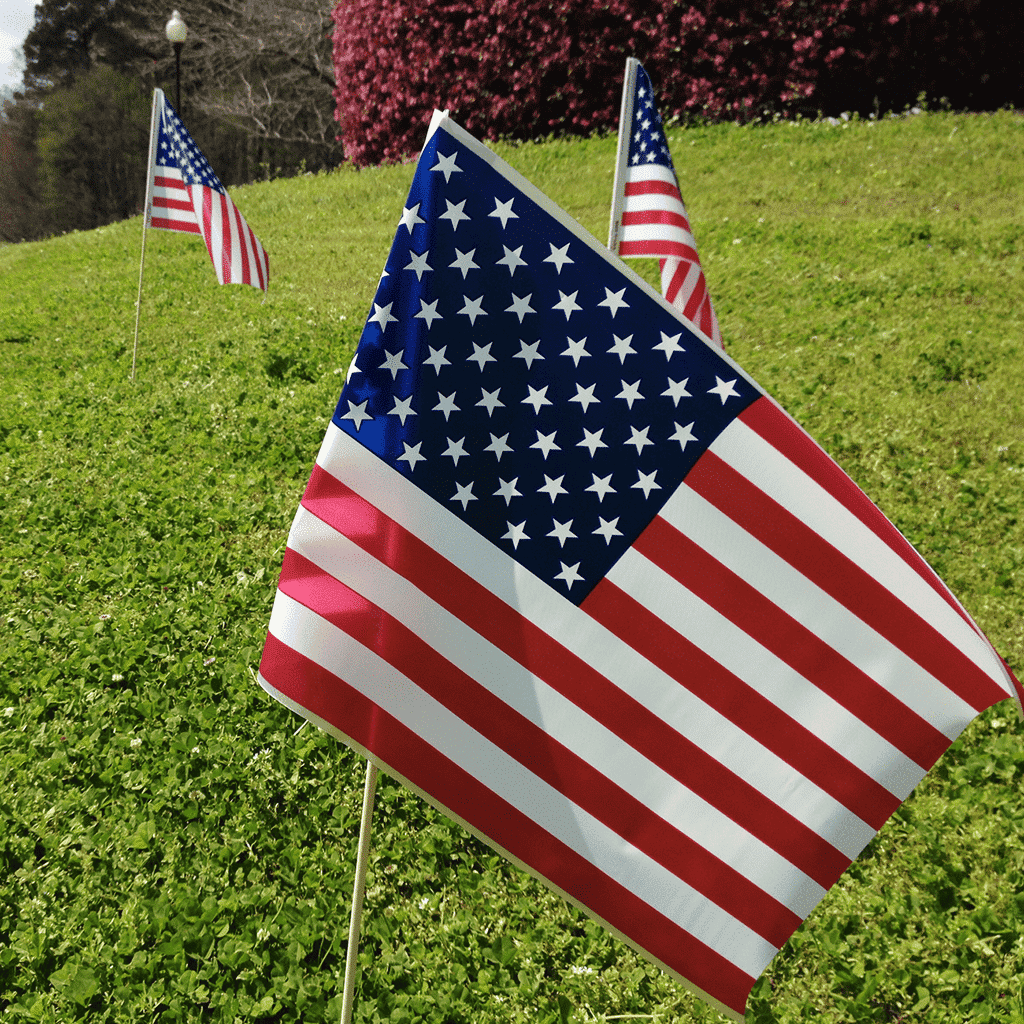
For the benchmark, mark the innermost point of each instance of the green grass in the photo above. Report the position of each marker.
(171, 850)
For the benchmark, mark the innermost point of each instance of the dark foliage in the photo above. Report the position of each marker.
(529, 68)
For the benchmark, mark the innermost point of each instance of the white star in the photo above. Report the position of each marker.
(567, 303)
(639, 439)
(473, 308)
(684, 435)
(464, 261)
(428, 311)
(512, 259)
(552, 488)
(481, 355)
(498, 446)
(446, 404)
(352, 368)
(614, 300)
(490, 400)
(455, 449)
(724, 389)
(591, 441)
(601, 486)
(576, 350)
(537, 397)
(515, 533)
(393, 362)
(622, 347)
(562, 532)
(454, 212)
(382, 316)
(357, 413)
(446, 165)
(546, 443)
(503, 211)
(403, 409)
(569, 574)
(507, 489)
(670, 345)
(529, 353)
(646, 483)
(585, 396)
(463, 494)
(630, 392)
(558, 256)
(608, 529)
(412, 454)
(521, 306)
(411, 217)
(677, 390)
(418, 263)
(437, 359)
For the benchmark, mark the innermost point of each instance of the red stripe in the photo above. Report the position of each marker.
(225, 235)
(175, 183)
(532, 747)
(242, 233)
(792, 642)
(173, 204)
(658, 247)
(757, 716)
(189, 227)
(680, 271)
(652, 187)
(333, 700)
(696, 298)
(338, 506)
(836, 574)
(643, 217)
(775, 427)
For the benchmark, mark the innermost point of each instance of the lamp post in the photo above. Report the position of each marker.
(176, 31)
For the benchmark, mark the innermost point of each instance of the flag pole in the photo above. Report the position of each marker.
(145, 221)
(358, 889)
(622, 154)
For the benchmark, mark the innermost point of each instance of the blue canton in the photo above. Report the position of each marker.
(647, 142)
(177, 148)
(515, 374)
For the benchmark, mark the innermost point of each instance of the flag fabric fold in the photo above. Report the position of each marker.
(567, 571)
(648, 217)
(184, 194)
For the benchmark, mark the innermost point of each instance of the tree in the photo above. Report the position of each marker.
(21, 211)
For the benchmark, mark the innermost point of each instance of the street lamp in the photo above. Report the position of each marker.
(176, 31)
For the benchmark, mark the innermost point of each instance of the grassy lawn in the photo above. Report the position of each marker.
(172, 849)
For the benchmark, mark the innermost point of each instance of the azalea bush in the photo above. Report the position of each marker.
(523, 69)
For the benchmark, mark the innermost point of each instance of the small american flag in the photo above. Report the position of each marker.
(564, 569)
(186, 195)
(648, 216)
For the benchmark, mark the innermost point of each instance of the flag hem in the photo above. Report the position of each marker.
(622, 154)
(337, 734)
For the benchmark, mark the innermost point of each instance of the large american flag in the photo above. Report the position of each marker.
(565, 569)
(186, 195)
(648, 215)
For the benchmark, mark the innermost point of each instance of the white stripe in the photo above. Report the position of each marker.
(654, 201)
(334, 650)
(657, 233)
(237, 253)
(765, 673)
(650, 172)
(767, 468)
(818, 611)
(346, 459)
(556, 715)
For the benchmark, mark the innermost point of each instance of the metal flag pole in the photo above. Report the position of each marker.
(358, 889)
(622, 153)
(157, 95)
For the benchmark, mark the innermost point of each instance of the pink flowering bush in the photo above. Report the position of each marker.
(529, 68)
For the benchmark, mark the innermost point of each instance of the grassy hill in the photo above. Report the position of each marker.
(172, 849)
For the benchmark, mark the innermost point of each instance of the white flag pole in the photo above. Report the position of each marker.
(622, 155)
(358, 889)
(157, 97)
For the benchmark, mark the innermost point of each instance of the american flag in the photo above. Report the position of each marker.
(186, 195)
(648, 216)
(564, 569)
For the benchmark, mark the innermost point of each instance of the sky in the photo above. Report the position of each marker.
(16, 18)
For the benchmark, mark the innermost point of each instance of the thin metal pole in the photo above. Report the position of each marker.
(157, 99)
(358, 889)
